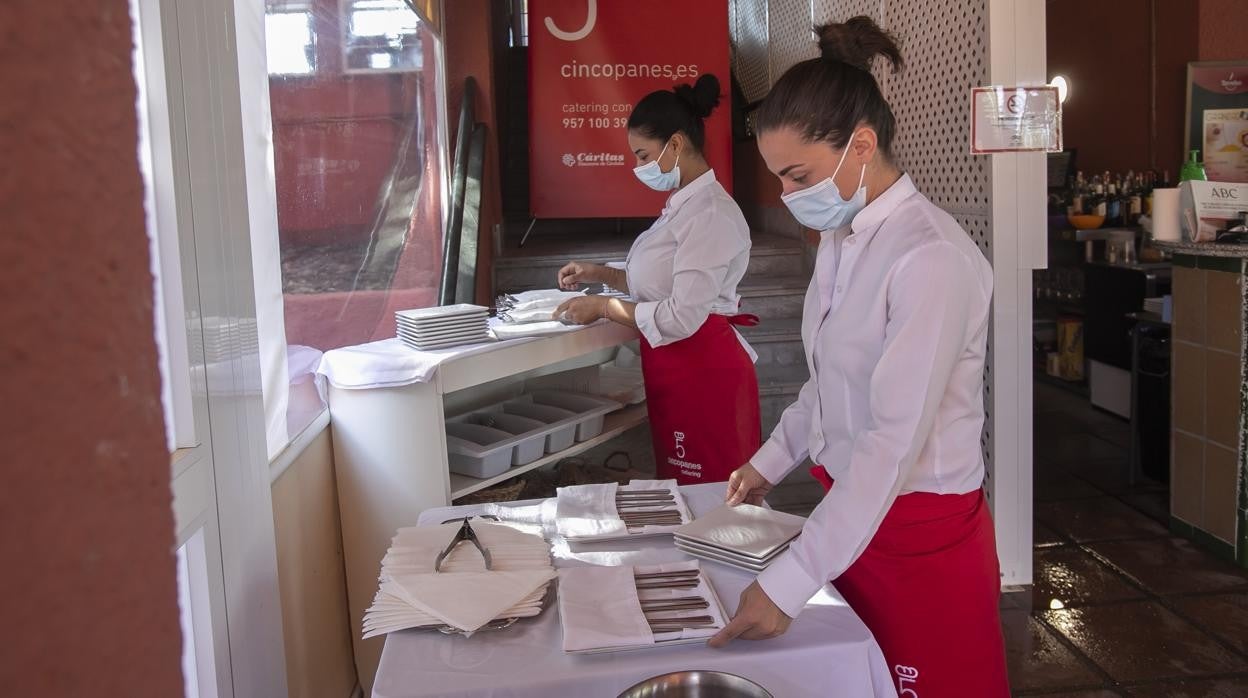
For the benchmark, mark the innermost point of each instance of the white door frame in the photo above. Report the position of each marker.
(1016, 53)
(220, 471)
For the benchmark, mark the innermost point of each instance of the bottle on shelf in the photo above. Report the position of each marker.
(1137, 199)
(1096, 204)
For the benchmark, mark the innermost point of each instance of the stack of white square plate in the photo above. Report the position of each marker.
(745, 536)
(444, 326)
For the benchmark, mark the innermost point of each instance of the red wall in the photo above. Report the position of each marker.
(1177, 44)
(1105, 50)
(88, 592)
(470, 52)
(335, 136)
(1223, 28)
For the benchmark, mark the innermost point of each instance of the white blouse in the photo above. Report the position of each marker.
(895, 328)
(688, 264)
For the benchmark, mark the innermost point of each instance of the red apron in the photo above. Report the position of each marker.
(702, 395)
(929, 588)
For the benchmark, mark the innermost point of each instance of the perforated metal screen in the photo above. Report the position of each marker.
(944, 44)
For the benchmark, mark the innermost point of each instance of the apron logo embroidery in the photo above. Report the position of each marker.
(906, 674)
(686, 468)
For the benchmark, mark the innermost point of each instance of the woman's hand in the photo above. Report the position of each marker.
(757, 618)
(574, 273)
(747, 485)
(583, 310)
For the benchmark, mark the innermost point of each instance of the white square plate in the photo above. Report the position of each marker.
(432, 336)
(444, 341)
(713, 557)
(745, 559)
(442, 311)
(744, 529)
(434, 325)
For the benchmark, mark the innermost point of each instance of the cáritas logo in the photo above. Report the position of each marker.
(592, 159)
(1231, 83)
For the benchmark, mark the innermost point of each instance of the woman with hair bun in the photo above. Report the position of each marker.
(701, 389)
(895, 329)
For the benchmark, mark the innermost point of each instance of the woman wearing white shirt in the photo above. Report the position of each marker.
(895, 328)
(701, 389)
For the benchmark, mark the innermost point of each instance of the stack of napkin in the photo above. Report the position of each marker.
(464, 595)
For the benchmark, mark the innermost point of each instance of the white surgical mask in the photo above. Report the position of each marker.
(655, 178)
(821, 207)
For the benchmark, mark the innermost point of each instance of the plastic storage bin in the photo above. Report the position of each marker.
(562, 423)
(590, 410)
(529, 434)
(478, 451)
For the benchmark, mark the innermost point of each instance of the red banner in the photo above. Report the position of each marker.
(590, 61)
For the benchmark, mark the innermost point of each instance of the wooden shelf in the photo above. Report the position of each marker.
(615, 424)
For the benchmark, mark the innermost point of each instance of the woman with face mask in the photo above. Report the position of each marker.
(895, 328)
(701, 389)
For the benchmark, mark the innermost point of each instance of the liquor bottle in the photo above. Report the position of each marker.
(1135, 200)
(1095, 203)
(1113, 205)
(1078, 195)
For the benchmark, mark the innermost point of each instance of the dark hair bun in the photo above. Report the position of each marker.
(857, 42)
(702, 97)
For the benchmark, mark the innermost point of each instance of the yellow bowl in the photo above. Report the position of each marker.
(1086, 222)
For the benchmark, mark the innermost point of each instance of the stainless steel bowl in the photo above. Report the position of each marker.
(696, 684)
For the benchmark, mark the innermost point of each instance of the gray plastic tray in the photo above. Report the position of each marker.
(561, 423)
(529, 434)
(590, 410)
(478, 451)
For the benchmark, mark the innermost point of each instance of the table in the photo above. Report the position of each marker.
(390, 453)
(827, 651)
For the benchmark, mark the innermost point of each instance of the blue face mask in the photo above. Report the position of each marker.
(821, 206)
(655, 178)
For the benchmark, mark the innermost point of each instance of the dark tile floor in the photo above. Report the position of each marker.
(1119, 606)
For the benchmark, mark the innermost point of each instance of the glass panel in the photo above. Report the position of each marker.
(381, 35)
(290, 45)
(358, 170)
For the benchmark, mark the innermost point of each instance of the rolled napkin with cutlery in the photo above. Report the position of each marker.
(609, 511)
(532, 306)
(610, 609)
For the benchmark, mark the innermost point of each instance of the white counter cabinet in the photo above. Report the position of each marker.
(390, 448)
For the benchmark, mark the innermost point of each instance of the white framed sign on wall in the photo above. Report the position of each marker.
(1016, 120)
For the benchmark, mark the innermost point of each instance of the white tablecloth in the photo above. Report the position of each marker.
(389, 363)
(827, 651)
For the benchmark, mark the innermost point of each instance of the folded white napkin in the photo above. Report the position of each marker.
(469, 600)
(390, 611)
(507, 330)
(588, 513)
(542, 294)
(600, 608)
(463, 594)
(549, 302)
(544, 312)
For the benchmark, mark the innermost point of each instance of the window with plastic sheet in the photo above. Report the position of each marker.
(358, 141)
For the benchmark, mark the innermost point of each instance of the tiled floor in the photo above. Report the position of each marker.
(1119, 606)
